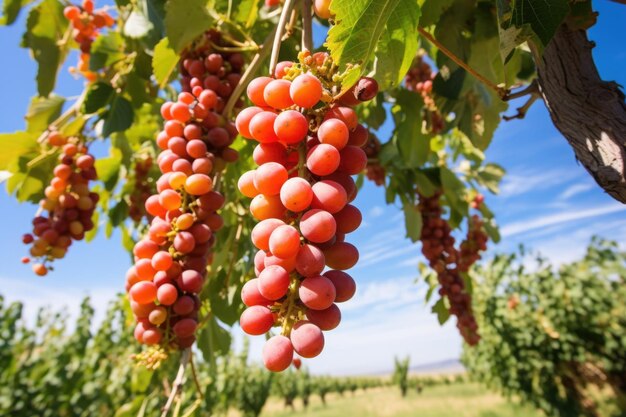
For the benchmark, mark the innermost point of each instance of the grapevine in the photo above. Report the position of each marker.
(449, 263)
(68, 202)
(308, 148)
(171, 260)
(420, 78)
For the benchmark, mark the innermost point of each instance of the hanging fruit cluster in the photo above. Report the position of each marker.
(420, 78)
(68, 203)
(86, 25)
(308, 148)
(141, 187)
(375, 171)
(448, 262)
(171, 260)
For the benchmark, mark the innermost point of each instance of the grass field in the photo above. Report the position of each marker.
(458, 400)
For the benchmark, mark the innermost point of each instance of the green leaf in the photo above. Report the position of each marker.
(213, 340)
(398, 44)
(98, 95)
(412, 221)
(358, 27)
(164, 61)
(108, 169)
(11, 9)
(14, 145)
(432, 10)
(247, 12)
(137, 25)
(43, 111)
(137, 89)
(440, 308)
(542, 16)
(30, 179)
(185, 20)
(119, 117)
(91, 235)
(106, 51)
(489, 176)
(424, 184)
(413, 145)
(45, 26)
(118, 214)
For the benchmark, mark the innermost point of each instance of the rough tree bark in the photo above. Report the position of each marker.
(589, 112)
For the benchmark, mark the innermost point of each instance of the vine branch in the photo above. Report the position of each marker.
(280, 28)
(502, 92)
(178, 381)
(248, 74)
(307, 29)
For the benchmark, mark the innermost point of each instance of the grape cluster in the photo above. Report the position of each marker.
(68, 202)
(448, 262)
(420, 78)
(142, 187)
(86, 24)
(308, 149)
(220, 72)
(375, 171)
(171, 260)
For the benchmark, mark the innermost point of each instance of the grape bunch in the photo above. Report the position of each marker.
(68, 202)
(220, 72)
(308, 149)
(448, 262)
(375, 171)
(171, 260)
(142, 187)
(420, 78)
(86, 24)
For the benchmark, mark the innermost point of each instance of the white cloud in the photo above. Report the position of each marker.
(517, 184)
(376, 211)
(524, 226)
(574, 189)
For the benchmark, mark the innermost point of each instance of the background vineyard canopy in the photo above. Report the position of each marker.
(138, 58)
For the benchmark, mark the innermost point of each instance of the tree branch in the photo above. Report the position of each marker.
(589, 112)
(502, 92)
(248, 74)
(280, 28)
(178, 381)
(307, 29)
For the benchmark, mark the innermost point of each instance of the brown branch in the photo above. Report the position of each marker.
(247, 75)
(280, 28)
(502, 92)
(307, 29)
(195, 377)
(178, 381)
(521, 111)
(532, 89)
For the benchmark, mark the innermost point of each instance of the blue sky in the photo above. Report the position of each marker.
(548, 202)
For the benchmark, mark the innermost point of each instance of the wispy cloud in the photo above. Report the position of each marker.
(515, 184)
(574, 189)
(562, 217)
(376, 211)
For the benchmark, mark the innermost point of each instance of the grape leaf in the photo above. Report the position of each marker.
(442, 311)
(213, 340)
(359, 25)
(542, 16)
(42, 111)
(412, 221)
(44, 27)
(397, 45)
(15, 144)
(164, 61)
(413, 145)
(31, 176)
(11, 9)
(432, 10)
(98, 96)
(106, 50)
(247, 12)
(109, 168)
(185, 20)
(119, 116)
(137, 25)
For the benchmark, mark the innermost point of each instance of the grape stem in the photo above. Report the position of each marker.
(264, 50)
(178, 381)
(307, 29)
(195, 377)
(501, 91)
(280, 28)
